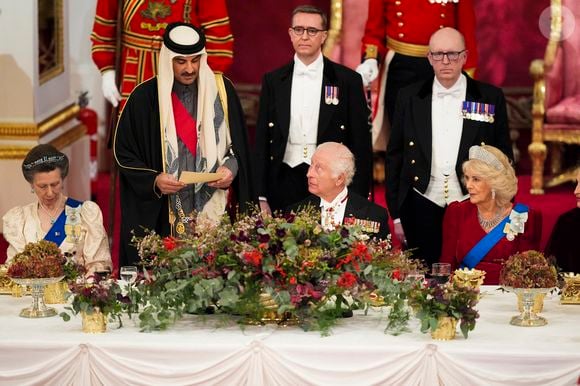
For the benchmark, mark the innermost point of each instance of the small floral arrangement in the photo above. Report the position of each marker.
(432, 301)
(38, 260)
(528, 269)
(96, 293)
(308, 272)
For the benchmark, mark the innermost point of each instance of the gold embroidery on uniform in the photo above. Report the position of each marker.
(156, 10)
(153, 27)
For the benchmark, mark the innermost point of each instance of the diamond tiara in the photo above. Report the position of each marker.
(479, 153)
(44, 160)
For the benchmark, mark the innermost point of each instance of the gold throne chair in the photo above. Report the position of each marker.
(556, 96)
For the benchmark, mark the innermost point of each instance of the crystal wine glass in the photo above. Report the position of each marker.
(440, 272)
(128, 273)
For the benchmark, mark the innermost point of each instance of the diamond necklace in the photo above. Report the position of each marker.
(52, 215)
(492, 222)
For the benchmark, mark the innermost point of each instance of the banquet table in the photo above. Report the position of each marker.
(208, 350)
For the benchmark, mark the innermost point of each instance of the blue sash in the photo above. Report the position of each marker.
(56, 233)
(479, 250)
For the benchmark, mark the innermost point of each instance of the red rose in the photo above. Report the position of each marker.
(396, 274)
(169, 243)
(253, 257)
(346, 280)
(293, 280)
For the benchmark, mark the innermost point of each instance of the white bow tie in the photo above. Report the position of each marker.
(452, 93)
(307, 72)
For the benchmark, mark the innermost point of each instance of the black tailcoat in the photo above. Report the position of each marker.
(346, 123)
(356, 207)
(408, 161)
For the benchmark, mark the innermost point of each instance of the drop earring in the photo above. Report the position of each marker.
(493, 194)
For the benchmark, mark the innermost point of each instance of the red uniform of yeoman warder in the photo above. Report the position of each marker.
(405, 26)
(144, 22)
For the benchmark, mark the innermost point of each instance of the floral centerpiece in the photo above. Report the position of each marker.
(528, 269)
(38, 265)
(290, 262)
(434, 303)
(38, 260)
(530, 275)
(96, 297)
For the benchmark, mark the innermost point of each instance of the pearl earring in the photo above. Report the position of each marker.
(493, 194)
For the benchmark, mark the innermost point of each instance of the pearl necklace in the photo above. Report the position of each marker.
(52, 215)
(492, 222)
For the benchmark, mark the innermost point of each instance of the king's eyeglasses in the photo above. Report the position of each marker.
(452, 56)
(311, 31)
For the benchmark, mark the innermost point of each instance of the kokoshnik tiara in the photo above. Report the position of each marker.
(479, 153)
(44, 160)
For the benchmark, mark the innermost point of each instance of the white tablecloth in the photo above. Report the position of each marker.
(49, 351)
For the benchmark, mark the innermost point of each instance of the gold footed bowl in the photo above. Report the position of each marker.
(95, 322)
(446, 328)
(528, 316)
(38, 309)
(538, 302)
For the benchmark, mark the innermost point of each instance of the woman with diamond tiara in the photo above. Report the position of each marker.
(76, 227)
(484, 230)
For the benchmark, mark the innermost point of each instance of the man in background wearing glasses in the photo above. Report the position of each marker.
(395, 43)
(435, 123)
(308, 101)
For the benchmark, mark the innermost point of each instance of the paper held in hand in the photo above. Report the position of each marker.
(196, 178)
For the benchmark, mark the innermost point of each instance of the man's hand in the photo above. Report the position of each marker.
(225, 181)
(400, 233)
(168, 184)
(109, 86)
(369, 70)
(265, 208)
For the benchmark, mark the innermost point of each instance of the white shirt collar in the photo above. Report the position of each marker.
(338, 200)
(300, 67)
(458, 87)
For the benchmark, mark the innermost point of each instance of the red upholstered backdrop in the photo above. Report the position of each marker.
(509, 38)
(261, 41)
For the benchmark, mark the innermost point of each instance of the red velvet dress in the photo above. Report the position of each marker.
(461, 231)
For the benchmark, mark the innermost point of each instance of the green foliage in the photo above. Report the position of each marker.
(287, 263)
(96, 293)
(431, 301)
